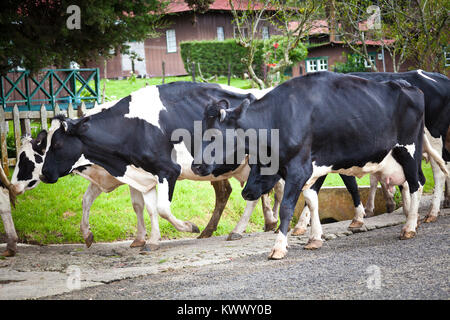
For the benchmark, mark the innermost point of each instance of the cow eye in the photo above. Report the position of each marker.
(58, 145)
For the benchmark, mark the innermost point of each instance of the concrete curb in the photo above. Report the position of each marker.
(42, 271)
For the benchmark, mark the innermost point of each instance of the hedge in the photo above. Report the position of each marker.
(214, 57)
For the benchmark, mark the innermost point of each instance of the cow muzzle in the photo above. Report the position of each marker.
(201, 169)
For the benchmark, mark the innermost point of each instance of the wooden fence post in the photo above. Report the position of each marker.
(70, 112)
(44, 125)
(16, 121)
(81, 110)
(57, 110)
(229, 73)
(3, 132)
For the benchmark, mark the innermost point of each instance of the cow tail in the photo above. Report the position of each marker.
(433, 154)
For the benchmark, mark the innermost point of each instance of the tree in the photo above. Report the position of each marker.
(37, 34)
(291, 18)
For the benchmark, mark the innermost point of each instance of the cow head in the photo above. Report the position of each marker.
(219, 124)
(258, 184)
(30, 161)
(64, 147)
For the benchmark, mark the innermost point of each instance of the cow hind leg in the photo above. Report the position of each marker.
(150, 200)
(270, 221)
(439, 181)
(92, 192)
(240, 227)
(222, 191)
(447, 193)
(352, 187)
(315, 239)
(305, 217)
(278, 196)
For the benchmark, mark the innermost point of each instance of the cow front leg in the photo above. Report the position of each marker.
(137, 200)
(222, 191)
(240, 227)
(8, 224)
(164, 196)
(92, 192)
(439, 181)
(292, 189)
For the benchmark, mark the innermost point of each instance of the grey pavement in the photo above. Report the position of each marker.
(368, 265)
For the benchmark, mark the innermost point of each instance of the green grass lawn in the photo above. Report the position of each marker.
(51, 213)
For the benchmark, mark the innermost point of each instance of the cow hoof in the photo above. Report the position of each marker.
(313, 244)
(406, 235)
(89, 240)
(270, 226)
(234, 236)
(355, 225)
(369, 213)
(8, 253)
(148, 248)
(298, 231)
(137, 243)
(205, 234)
(429, 219)
(277, 254)
(195, 229)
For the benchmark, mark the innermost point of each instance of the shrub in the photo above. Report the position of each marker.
(214, 57)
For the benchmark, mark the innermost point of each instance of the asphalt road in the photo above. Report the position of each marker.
(369, 265)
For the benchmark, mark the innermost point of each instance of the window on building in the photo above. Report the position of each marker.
(220, 34)
(171, 41)
(265, 33)
(236, 32)
(372, 57)
(317, 64)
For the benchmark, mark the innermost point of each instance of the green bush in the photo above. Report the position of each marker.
(214, 57)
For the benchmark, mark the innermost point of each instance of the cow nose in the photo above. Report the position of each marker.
(43, 178)
(248, 195)
(196, 168)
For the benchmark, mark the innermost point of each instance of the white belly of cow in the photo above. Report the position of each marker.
(388, 171)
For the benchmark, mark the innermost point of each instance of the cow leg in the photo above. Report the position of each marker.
(315, 238)
(236, 234)
(292, 189)
(352, 187)
(278, 196)
(447, 193)
(92, 192)
(410, 227)
(150, 200)
(303, 222)
(137, 200)
(270, 222)
(370, 204)
(439, 180)
(164, 196)
(222, 190)
(8, 224)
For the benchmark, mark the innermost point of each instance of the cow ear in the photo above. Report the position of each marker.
(77, 127)
(238, 111)
(223, 104)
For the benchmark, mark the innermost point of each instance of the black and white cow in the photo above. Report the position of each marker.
(329, 122)
(436, 90)
(133, 141)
